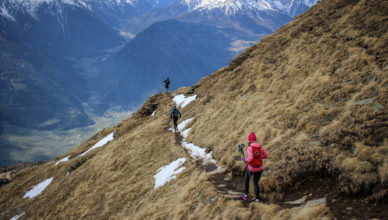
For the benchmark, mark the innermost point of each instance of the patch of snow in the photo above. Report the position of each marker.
(63, 160)
(240, 45)
(185, 133)
(36, 190)
(183, 124)
(168, 172)
(196, 152)
(17, 216)
(101, 143)
(182, 101)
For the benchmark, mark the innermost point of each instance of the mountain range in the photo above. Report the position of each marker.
(186, 41)
(60, 59)
(314, 93)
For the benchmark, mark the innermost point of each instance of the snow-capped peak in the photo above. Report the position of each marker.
(287, 5)
(8, 7)
(230, 6)
(25, 5)
(234, 6)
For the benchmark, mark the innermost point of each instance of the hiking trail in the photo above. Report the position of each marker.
(311, 190)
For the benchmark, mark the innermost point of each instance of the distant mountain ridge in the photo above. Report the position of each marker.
(113, 12)
(51, 37)
(42, 86)
(62, 58)
(227, 27)
(201, 10)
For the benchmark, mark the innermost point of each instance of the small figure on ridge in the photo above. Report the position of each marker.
(166, 84)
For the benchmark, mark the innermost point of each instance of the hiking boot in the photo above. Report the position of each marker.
(244, 197)
(257, 200)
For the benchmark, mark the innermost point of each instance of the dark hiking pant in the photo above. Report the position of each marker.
(175, 123)
(256, 178)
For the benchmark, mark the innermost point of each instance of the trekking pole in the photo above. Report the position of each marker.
(241, 149)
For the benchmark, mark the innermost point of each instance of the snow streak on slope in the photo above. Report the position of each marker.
(16, 217)
(36, 190)
(63, 160)
(101, 143)
(198, 153)
(168, 172)
(182, 125)
(182, 101)
(195, 152)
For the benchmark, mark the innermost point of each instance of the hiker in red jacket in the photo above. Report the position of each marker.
(256, 154)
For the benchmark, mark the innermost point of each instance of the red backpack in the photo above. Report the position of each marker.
(257, 160)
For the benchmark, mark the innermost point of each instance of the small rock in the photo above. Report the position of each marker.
(234, 193)
(321, 201)
(377, 107)
(338, 70)
(363, 101)
(297, 202)
(232, 196)
(349, 208)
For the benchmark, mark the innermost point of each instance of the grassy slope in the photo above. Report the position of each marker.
(315, 92)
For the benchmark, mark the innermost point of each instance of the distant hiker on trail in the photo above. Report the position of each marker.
(256, 153)
(166, 84)
(174, 115)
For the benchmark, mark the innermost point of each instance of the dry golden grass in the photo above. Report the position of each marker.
(315, 93)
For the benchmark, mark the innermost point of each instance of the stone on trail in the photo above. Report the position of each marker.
(321, 201)
(298, 201)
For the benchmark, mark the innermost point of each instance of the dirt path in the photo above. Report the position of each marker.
(311, 188)
(231, 187)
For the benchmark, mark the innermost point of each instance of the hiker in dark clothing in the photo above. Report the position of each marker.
(256, 153)
(166, 84)
(174, 115)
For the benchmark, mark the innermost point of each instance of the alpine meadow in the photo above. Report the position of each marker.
(315, 94)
